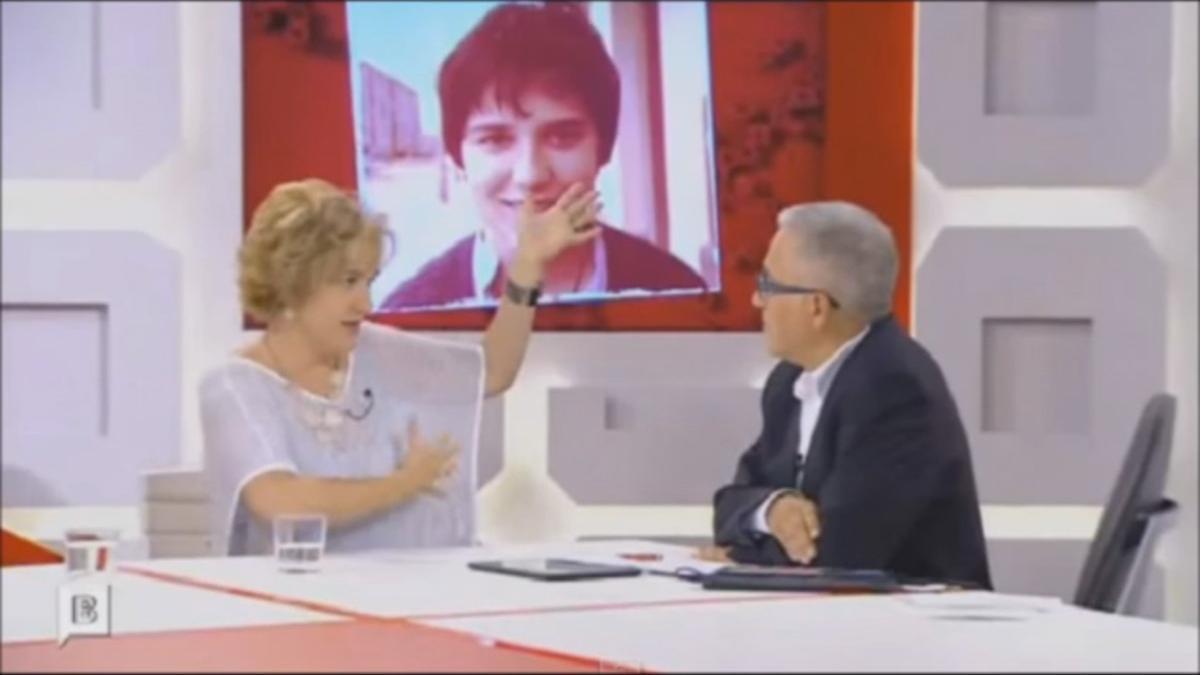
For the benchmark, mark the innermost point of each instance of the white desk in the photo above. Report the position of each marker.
(848, 633)
(139, 605)
(651, 622)
(435, 583)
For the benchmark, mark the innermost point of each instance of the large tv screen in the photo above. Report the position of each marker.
(694, 121)
(464, 110)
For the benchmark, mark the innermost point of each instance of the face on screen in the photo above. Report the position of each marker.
(536, 151)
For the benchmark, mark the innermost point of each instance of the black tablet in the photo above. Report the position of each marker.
(554, 569)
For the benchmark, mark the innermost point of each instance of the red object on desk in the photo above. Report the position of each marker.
(642, 557)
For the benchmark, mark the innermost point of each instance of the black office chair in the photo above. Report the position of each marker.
(1122, 553)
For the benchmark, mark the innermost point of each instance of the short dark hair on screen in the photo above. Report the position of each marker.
(517, 44)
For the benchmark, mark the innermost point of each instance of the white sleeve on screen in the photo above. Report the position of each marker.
(760, 515)
(243, 438)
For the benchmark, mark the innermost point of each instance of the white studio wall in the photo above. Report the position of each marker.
(186, 195)
(1149, 188)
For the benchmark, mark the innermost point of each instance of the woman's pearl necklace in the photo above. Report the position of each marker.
(324, 419)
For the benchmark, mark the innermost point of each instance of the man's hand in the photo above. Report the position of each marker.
(793, 521)
(717, 554)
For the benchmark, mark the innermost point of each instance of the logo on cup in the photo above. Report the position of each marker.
(89, 551)
(84, 609)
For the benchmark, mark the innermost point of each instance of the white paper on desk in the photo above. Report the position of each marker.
(979, 605)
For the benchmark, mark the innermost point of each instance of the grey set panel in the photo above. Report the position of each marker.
(1052, 340)
(105, 102)
(1043, 93)
(1051, 567)
(646, 445)
(91, 387)
(175, 513)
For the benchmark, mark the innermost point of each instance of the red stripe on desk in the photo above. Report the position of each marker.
(605, 606)
(256, 595)
(471, 614)
(583, 661)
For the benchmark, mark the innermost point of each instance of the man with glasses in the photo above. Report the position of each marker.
(862, 461)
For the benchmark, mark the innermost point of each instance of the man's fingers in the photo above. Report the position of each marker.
(812, 522)
(713, 554)
(799, 512)
(794, 529)
(793, 520)
(802, 552)
(798, 544)
(808, 550)
(795, 550)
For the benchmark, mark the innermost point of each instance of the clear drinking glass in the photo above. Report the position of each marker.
(299, 542)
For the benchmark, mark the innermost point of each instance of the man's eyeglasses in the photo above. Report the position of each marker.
(768, 286)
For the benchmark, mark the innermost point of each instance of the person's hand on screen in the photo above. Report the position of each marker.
(793, 521)
(569, 222)
(429, 464)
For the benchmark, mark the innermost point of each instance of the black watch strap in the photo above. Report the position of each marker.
(520, 295)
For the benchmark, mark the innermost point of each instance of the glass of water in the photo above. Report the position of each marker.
(299, 542)
(90, 550)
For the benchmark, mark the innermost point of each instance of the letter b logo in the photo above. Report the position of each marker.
(83, 610)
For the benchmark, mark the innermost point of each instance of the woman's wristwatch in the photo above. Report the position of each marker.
(520, 295)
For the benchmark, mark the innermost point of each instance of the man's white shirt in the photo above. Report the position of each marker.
(810, 388)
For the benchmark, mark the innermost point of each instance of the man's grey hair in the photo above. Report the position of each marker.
(849, 252)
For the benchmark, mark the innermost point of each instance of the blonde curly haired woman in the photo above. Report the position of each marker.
(326, 414)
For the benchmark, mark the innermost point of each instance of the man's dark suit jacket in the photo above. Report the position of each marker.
(632, 264)
(888, 467)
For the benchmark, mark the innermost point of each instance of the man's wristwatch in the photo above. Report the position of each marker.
(520, 295)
